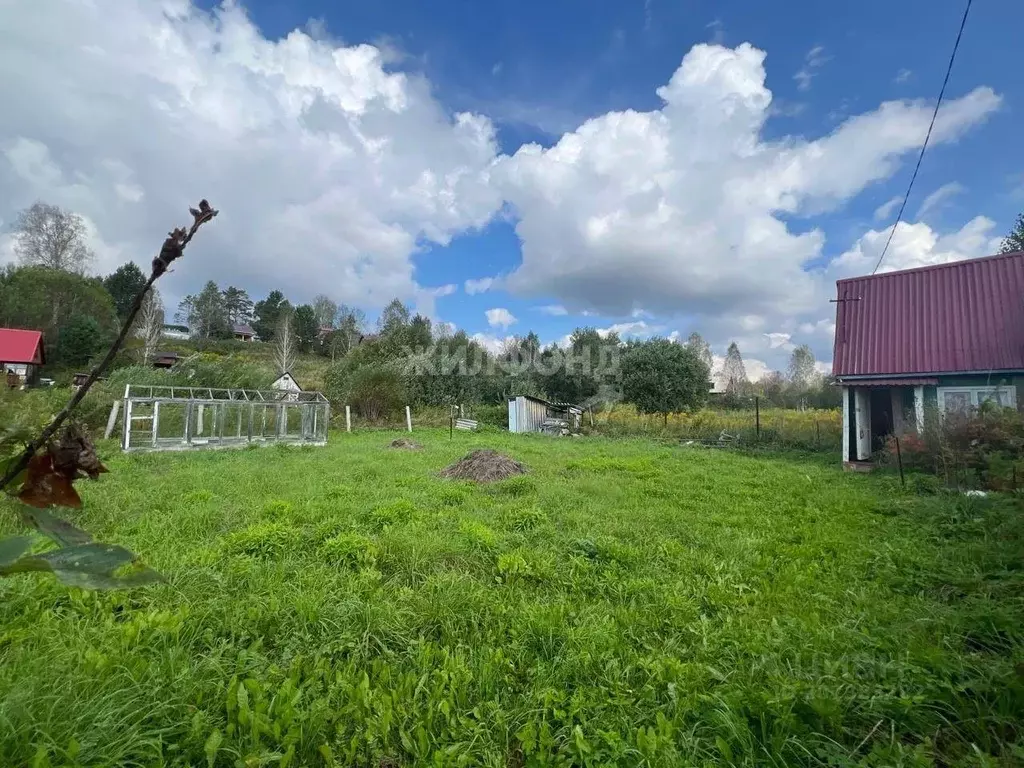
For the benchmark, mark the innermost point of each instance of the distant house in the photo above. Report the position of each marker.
(165, 359)
(286, 383)
(243, 332)
(175, 332)
(21, 356)
(532, 414)
(947, 337)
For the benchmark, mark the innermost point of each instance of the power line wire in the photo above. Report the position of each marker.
(938, 103)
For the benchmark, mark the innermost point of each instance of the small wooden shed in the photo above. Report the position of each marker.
(21, 356)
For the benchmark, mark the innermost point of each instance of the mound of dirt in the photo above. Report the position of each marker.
(483, 466)
(406, 444)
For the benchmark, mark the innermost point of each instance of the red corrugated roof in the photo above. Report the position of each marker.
(18, 346)
(959, 317)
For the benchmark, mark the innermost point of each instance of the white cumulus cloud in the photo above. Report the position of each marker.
(328, 167)
(499, 317)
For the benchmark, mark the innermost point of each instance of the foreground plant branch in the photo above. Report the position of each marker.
(173, 248)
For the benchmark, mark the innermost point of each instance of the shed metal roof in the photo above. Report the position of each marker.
(952, 318)
(20, 346)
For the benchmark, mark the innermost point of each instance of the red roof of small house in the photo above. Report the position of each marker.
(18, 346)
(967, 316)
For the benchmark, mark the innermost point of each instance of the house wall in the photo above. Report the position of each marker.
(976, 380)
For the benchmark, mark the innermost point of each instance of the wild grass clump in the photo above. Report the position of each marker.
(625, 603)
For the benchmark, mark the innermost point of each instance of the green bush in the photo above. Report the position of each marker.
(375, 393)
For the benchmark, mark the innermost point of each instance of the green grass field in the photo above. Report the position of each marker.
(625, 603)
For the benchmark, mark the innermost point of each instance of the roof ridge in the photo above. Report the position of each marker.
(935, 267)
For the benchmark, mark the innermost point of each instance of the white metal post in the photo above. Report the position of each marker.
(408, 418)
(846, 423)
(156, 422)
(348, 419)
(862, 413)
(127, 423)
(919, 408)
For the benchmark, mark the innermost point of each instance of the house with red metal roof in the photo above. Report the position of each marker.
(933, 339)
(21, 356)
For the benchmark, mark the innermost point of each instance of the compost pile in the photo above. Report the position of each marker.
(484, 466)
(406, 444)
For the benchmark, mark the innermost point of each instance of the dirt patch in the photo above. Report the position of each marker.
(406, 444)
(484, 466)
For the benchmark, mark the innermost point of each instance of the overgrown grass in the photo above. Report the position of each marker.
(625, 603)
(779, 427)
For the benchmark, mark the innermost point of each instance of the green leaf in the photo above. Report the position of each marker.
(13, 547)
(211, 747)
(90, 566)
(15, 485)
(54, 527)
(138, 578)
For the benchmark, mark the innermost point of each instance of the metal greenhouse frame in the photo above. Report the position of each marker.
(161, 418)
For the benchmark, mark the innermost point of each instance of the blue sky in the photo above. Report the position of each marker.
(538, 71)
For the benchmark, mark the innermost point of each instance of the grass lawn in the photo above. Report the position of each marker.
(626, 603)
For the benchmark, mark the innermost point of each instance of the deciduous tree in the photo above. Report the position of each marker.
(80, 338)
(326, 311)
(733, 371)
(149, 325)
(49, 236)
(285, 345)
(699, 345)
(801, 366)
(1014, 241)
(659, 376)
(46, 299)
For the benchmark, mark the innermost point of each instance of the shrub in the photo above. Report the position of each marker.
(375, 392)
(982, 448)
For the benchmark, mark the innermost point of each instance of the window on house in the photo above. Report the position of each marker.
(964, 399)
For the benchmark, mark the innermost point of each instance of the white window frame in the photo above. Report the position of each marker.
(978, 395)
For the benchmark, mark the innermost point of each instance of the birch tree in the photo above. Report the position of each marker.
(48, 236)
(285, 344)
(150, 324)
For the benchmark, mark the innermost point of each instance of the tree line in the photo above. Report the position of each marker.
(403, 359)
